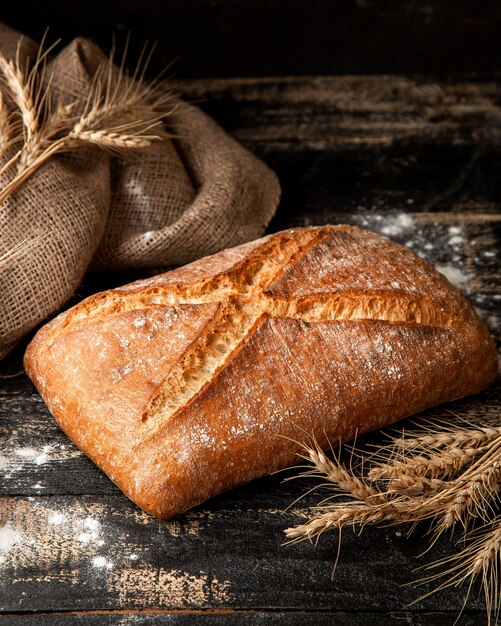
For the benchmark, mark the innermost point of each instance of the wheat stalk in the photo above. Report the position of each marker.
(336, 519)
(480, 558)
(450, 477)
(339, 515)
(5, 126)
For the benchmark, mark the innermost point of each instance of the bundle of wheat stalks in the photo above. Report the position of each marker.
(450, 475)
(117, 113)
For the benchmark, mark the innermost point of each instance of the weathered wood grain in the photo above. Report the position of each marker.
(241, 618)
(368, 144)
(351, 113)
(101, 552)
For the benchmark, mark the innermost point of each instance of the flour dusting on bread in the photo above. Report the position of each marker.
(191, 382)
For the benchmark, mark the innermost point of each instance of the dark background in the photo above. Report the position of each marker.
(212, 38)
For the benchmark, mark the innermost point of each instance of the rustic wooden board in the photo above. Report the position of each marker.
(234, 618)
(367, 144)
(240, 618)
(99, 552)
(410, 158)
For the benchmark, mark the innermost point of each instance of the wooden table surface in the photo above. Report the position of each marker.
(416, 159)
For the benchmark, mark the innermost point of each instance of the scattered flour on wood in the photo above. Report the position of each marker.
(53, 537)
(17, 459)
(47, 454)
(91, 532)
(492, 322)
(102, 562)
(9, 537)
(56, 518)
(173, 588)
(35, 456)
(453, 274)
(395, 225)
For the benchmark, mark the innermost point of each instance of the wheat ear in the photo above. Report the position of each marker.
(448, 437)
(473, 498)
(440, 464)
(333, 470)
(9, 257)
(21, 91)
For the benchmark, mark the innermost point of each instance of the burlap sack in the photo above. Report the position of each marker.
(164, 205)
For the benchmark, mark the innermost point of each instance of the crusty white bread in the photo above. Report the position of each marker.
(197, 380)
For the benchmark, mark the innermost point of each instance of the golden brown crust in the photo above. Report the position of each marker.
(196, 380)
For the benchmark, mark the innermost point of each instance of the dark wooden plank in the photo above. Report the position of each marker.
(368, 144)
(101, 552)
(232, 618)
(438, 618)
(283, 37)
(229, 618)
(354, 113)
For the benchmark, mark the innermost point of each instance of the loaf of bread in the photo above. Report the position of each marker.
(200, 379)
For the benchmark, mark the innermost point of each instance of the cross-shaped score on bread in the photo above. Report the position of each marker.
(244, 302)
